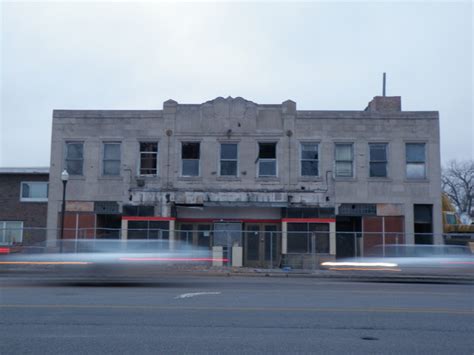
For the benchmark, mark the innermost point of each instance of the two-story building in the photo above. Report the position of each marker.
(23, 206)
(278, 181)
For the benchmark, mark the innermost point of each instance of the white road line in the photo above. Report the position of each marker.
(189, 295)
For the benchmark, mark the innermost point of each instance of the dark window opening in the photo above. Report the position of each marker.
(148, 158)
(190, 155)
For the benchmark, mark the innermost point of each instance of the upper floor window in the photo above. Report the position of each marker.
(190, 155)
(111, 166)
(228, 159)
(74, 158)
(344, 160)
(378, 160)
(34, 191)
(309, 159)
(148, 158)
(267, 162)
(415, 160)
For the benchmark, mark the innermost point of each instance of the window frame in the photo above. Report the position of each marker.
(65, 161)
(317, 144)
(34, 199)
(352, 161)
(156, 154)
(119, 160)
(259, 175)
(385, 144)
(236, 160)
(3, 229)
(416, 162)
(182, 159)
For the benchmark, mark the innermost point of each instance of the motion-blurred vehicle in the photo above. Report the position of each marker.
(411, 259)
(108, 259)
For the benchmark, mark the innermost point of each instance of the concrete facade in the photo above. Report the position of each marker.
(210, 196)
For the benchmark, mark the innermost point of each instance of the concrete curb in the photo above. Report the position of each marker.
(39, 274)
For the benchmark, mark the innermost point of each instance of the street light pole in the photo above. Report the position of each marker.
(64, 179)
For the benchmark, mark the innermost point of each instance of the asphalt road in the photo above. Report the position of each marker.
(236, 315)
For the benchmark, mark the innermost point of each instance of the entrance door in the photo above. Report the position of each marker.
(261, 245)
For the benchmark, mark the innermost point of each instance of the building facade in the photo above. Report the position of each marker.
(276, 181)
(23, 206)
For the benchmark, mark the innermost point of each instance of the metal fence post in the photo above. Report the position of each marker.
(355, 245)
(271, 250)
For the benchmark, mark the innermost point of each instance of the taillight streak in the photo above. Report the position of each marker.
(174, 259)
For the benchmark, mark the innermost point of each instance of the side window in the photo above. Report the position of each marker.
(309, 159)
(190, 155)
(415, 160)
(148, 158)
(267, 162)
(34, 191)
(228, 159)
(378, 159)
(74, 158)
(344, 160)
(111, 161)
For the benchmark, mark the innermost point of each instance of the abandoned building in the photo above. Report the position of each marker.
(276, 181)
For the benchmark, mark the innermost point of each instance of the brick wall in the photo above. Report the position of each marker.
(33, 214)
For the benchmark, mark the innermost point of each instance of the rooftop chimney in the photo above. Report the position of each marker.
(385, 104)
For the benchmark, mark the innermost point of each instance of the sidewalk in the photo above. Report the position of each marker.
(225, 271)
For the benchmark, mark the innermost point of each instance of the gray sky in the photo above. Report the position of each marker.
(323, 55)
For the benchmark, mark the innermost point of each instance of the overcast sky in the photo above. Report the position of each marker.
(323, 55)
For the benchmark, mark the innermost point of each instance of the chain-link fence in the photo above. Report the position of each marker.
(259, 247)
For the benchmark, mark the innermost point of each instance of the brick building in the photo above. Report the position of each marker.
(268, 178)
(23, 205)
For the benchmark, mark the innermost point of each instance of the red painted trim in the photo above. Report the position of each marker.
(224, 220)
(309, 220)
(154, 218)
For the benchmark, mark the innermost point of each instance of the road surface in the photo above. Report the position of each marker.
(236, 315)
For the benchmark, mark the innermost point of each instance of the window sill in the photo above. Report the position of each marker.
(228, 178)
(190, 178)
(379, 179)
(310, 179)
(417, 181)
(33, 200)
(76, 177)
(113, 178)
(345, 179)
(268, 179)
(148, 177)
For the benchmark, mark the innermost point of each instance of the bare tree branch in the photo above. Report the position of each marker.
(457, 182)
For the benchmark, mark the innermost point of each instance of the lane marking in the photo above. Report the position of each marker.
(466, 312)
(193, 294)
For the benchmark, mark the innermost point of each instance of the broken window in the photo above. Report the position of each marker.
(229, 159)
(309, 159)
(344, 160)
(190, 154)
(148, 158)
(267, 163)
(378, 159)
(74, 158)
(111, 165)
(415, 160)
